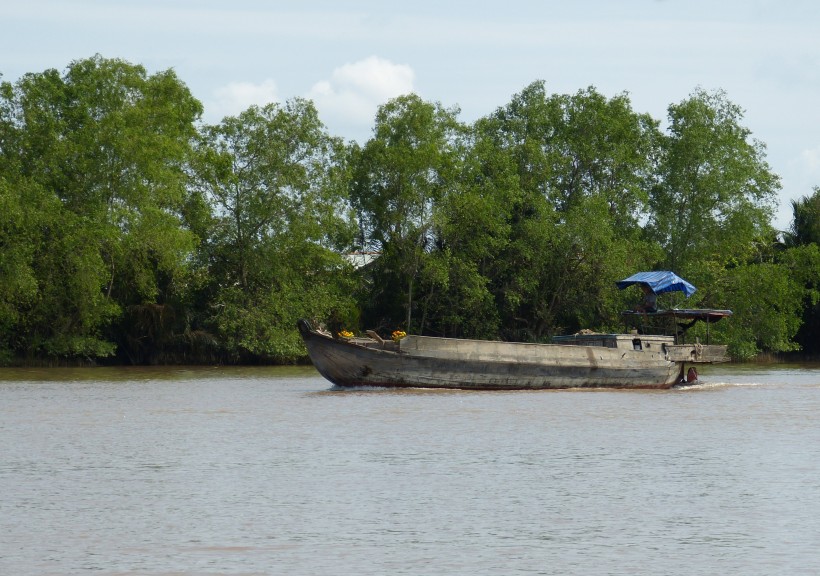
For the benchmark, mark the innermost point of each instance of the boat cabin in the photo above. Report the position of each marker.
(618, 341)
(649, 343)
(674, 322)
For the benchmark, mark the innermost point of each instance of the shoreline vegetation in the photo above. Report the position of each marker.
(132, 233)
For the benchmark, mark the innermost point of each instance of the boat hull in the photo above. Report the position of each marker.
(478, 365)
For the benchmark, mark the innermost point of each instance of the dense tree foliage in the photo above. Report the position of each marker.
(399, 177)
(93, 160)
(802, 257)
(714, 193)
(272, 245)
(131, 231)
(710, 211)
(580, 165)
(805, 227)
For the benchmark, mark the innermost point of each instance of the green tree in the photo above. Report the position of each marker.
(715, 191)
(711, 210)
(805, 226)
(50, 298)
(767, 304)
(276, 181)
(109, 143)
(474, 225)
(803, 259)
(399, 176)
(581, 164)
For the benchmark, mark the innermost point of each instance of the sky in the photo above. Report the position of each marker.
(351, 56)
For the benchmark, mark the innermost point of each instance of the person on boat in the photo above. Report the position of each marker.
(650, 300)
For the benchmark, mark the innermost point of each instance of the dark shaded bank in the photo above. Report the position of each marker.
(159, 360)
(785, 358)
(188, 359)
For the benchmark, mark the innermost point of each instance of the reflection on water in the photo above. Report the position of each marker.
(142, 373)
(272, 471)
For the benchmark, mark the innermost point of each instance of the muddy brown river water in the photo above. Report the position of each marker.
(253, 471)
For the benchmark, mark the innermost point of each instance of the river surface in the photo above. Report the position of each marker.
(272, 471)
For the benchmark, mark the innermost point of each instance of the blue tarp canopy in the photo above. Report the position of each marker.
(658, 282)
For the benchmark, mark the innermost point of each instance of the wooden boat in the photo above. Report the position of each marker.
(631, 360)
(575, 361)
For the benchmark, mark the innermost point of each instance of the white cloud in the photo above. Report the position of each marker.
(810, 161)
(236, 97)
(348, 101)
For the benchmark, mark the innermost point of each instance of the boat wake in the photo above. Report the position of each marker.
(717, 385)
(336, 388)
